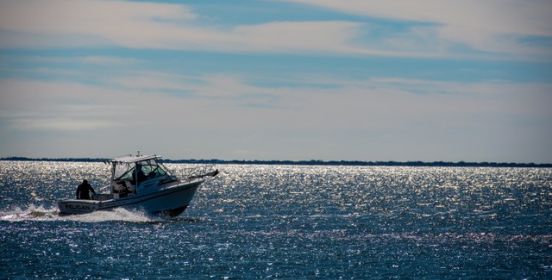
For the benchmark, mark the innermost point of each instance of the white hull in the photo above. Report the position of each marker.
(171, 199)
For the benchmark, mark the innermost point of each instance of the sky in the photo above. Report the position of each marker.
(428, 80)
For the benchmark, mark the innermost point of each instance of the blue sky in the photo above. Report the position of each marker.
(278, 79)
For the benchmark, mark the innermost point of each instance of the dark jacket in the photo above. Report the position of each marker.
(83, 191)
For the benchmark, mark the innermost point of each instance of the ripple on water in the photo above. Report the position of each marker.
(260, 221)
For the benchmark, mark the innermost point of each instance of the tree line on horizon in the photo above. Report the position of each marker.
(308, 162)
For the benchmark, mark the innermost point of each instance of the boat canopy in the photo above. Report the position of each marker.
(132, 159)
(137, 169)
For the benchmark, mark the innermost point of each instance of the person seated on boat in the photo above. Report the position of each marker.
(119, 187)
(84, 189)
(123, 188)
(131, 189)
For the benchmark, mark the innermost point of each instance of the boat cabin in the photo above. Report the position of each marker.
(138, 175)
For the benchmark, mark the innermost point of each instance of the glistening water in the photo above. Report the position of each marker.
(295, 222)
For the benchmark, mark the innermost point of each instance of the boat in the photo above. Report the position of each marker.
(141, 182)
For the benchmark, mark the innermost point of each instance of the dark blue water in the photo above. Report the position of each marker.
(287, 222)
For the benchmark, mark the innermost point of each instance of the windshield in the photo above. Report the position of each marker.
(152, 168)
(146, 169)
(123, 171)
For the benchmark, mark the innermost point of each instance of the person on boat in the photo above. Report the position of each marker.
(139, 175)
(84, 189)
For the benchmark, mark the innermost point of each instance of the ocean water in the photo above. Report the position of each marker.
(294, 222)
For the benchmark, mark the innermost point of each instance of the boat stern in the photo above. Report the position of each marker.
(77, 206)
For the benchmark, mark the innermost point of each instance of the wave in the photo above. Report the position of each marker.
(40, 213)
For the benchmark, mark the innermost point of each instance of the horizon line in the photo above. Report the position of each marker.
(312, 162)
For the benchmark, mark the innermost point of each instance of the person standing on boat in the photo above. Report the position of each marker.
(84, 189)
(139, 175)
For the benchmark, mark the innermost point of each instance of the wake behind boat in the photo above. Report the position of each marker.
(140, 182)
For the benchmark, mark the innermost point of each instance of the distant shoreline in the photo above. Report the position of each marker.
(308, 162)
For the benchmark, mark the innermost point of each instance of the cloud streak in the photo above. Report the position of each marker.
(489, 26)
(493, 25)
(61, 23)
(387, 98)
(38, 105)
(384, 118)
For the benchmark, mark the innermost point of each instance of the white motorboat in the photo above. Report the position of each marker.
(144, 183)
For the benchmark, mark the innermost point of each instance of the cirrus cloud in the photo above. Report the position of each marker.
(62, 23)
(493, 27)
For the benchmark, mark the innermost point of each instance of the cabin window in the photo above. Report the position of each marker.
(123, 171)
(153, 169)
(142, 170)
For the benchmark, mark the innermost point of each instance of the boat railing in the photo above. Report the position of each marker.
(102, 196)
(191, 173)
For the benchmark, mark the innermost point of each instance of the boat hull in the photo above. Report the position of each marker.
(171, 200)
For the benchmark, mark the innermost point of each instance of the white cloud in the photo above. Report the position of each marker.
(60, 124)
(63, 23)
(84, 23)
(305, 36)
(37, 105)
(393, 99)
(111, 18)
(94, 60)
(384, 118)
(106, 60)
(529, 17)
(491, 25)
